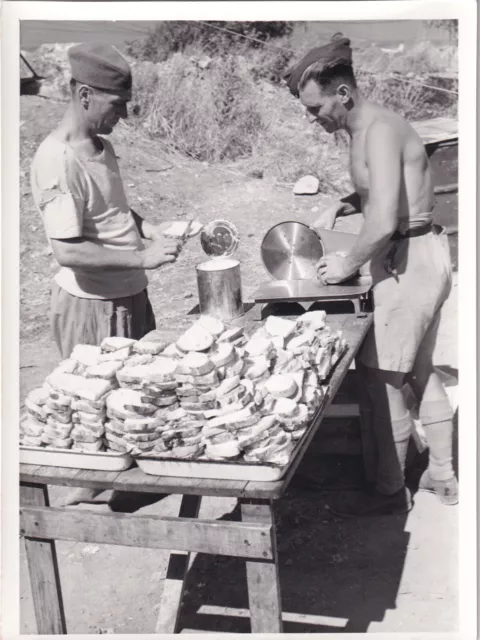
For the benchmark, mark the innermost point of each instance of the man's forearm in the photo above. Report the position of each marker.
(84, 254)
(372, 239)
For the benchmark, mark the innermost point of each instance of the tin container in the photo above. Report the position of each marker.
(220, 288)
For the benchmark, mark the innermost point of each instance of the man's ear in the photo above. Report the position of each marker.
(84, 95)
(344, 93)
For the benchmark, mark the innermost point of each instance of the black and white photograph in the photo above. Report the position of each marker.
(237, 396)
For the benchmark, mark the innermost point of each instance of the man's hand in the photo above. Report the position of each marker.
(334, 268)
(160, 251)
(326, 220)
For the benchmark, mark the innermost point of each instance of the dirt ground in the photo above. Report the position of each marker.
(383, 574)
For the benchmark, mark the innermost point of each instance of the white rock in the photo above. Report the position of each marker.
(308, 185)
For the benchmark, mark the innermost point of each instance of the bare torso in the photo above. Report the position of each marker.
(416, 195)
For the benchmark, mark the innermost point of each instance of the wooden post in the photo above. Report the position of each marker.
(43, 569)
(177, 570)
(262, 576)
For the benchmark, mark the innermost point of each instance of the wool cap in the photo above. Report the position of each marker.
(100, 66)
(336, 52)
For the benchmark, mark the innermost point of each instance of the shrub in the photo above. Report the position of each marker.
(173, 36)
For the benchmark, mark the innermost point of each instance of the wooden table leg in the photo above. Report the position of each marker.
(176, 573)
(262, 575)
(369, 443)
(43, 570)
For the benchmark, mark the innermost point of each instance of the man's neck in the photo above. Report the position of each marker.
(359, 116)
(74, 127)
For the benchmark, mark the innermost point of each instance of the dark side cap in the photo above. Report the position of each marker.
(336, 52)
(101, 66)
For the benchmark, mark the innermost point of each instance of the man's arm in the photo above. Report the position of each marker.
(384, 161)
(78, 253)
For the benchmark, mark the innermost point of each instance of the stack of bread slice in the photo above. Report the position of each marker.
(34, 422)
(213, 394)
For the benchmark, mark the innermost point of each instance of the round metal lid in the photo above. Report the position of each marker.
(291, 250)
(219, 239)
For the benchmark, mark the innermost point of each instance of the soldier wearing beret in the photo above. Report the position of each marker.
(411, 274)
(97, 239)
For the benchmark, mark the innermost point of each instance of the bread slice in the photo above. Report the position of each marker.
(314, 320)
(281, 327)
(83, 435)
(105, 370)
(297, 420)
(115, 343)
(196, 364)
(258, 346)
(230, 335)
(188, 452)
(39, 396)
(281, 386)
(224, 451)
(257, 367)
(35, 410)
(149, 348)
(232, 397)
(119, 355)
(32, 427)
(32, 441)
(235, 419)
(98, 445)
(211, 324)
(55, 430)
(223, 354)
(178, 229)
(91, 389)
(286, 407)
(227, 385)
(86, 354)
(171, 351)
(197, 338)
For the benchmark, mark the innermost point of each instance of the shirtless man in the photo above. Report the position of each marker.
(410, 268)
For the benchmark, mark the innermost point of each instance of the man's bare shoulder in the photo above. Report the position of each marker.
(391, 126)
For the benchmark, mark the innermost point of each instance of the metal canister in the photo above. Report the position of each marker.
(220, 288)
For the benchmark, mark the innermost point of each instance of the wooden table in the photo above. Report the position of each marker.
(253, 538)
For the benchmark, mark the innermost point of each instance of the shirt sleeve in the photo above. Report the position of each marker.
(59, 191)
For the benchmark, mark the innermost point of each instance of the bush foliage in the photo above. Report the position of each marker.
(217, 97)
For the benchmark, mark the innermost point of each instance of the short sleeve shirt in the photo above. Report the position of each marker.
(83, 197)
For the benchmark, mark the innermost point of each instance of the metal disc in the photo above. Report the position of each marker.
(291, 250)
(219, 239)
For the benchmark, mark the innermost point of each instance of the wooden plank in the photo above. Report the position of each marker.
(68, 477)
(154, 532)
(43, 569)
(262, 576)
(135, 480)
(177, 570)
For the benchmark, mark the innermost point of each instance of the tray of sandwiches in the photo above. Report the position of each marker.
(214, 403)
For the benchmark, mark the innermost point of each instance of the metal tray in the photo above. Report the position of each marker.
(75, 459)
(223, 469)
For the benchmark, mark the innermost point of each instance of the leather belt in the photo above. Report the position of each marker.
(396, 238)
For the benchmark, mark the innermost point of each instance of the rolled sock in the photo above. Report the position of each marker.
(437, 420)
(392, 439)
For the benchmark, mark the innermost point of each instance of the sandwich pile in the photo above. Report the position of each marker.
(213, 394)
